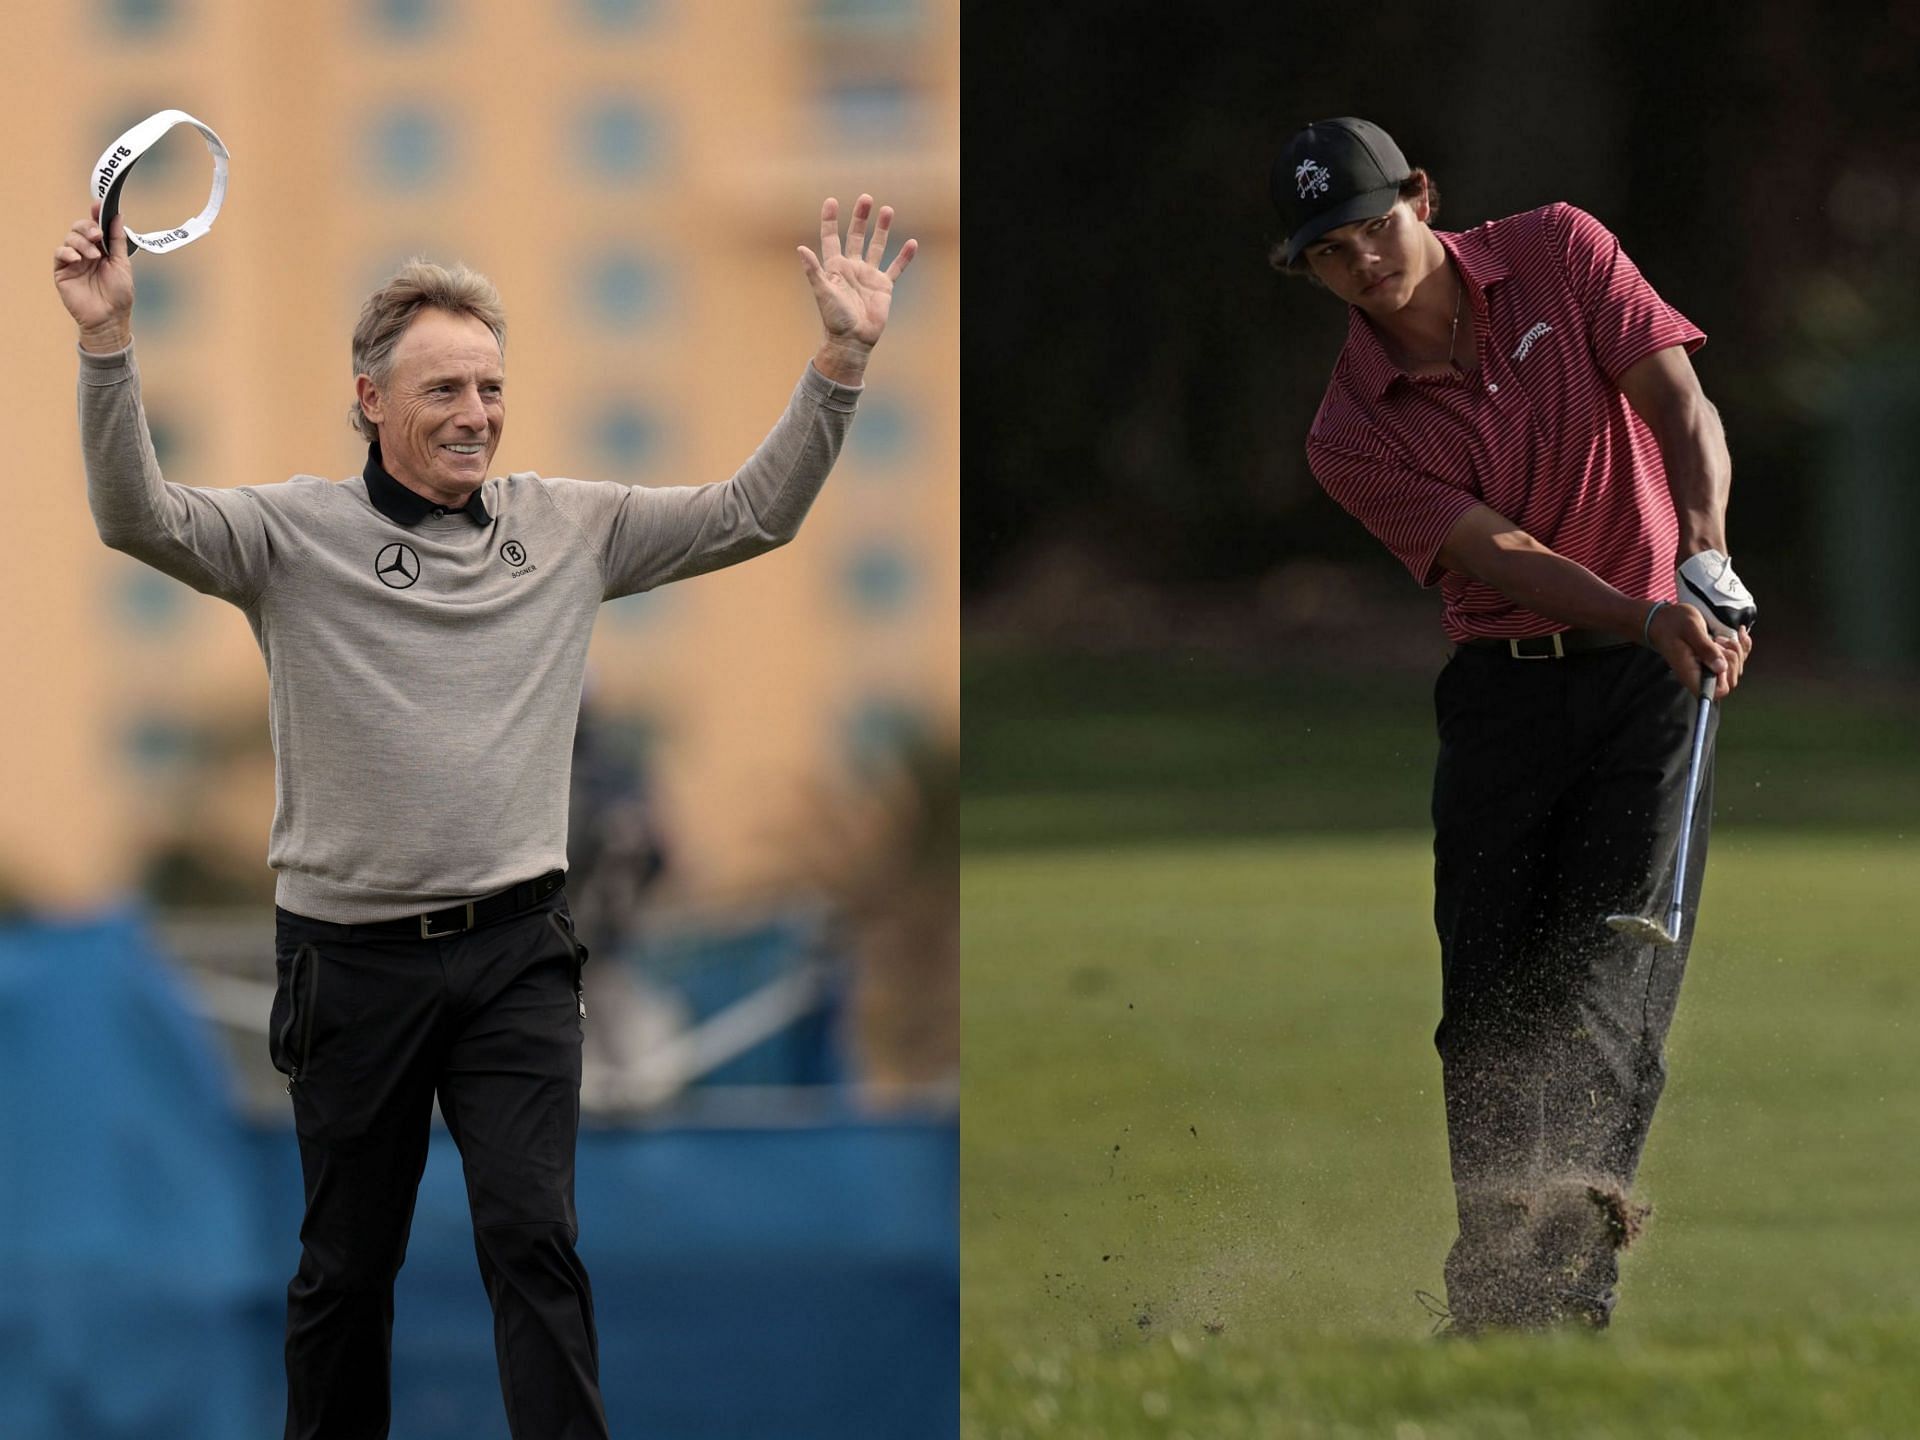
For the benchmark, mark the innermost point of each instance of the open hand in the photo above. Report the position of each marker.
(854, 294)
(95, 280)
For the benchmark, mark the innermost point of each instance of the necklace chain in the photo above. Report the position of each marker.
(1454, 339)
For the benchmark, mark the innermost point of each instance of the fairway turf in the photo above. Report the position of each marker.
(1204, 1159)
(1205, 1168)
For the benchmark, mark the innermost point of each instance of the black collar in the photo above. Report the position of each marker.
(408, 507)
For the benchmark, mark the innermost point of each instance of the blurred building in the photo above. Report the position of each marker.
(634, 175)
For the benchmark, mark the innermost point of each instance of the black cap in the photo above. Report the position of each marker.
(1333, 173)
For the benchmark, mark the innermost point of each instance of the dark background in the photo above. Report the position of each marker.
(1141, 382)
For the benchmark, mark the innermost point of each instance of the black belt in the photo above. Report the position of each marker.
(1551, 647)
(435, 924)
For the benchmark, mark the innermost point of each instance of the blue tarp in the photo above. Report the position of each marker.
(773, 1284)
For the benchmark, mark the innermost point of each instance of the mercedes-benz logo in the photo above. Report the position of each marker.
(514, 553)
(397, 566)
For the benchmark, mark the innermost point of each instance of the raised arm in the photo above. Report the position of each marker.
(213, 540)
(650, 536)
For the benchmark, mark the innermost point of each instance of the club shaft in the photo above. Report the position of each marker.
(1700, 720)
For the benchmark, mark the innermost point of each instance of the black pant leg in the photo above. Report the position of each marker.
(1552, 1023)
(355, 1023)
(1619, 832)
(1498, 772)
(511, 1098)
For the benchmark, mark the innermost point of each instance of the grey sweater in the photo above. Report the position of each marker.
(424, 679)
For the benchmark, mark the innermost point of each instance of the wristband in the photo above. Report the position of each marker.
(1646, 630)
(110, 175)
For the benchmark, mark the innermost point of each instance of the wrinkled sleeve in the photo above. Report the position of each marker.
(647, 536)
(1625, 317)
(214, 540)
(1409, 512)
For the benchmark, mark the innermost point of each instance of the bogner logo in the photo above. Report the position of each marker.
(105, 178)
(515, 554)
(1526, 340)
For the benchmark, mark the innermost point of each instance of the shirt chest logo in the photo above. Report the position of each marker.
(515, 554)
(397, 566)
(1526, 340)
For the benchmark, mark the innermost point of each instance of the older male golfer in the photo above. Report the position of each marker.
(425, 628)
(1514, 416)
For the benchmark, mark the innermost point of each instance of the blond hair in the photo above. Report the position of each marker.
(417, 285)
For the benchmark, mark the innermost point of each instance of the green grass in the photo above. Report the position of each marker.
(1067, 749)
(1201, 1095)
(1204, 1169)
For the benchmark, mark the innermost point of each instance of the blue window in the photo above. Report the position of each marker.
(167, 438)
(634, 612)
(617, 14)
(158, 743)
(910, 295)
(625, 435)
(159, 298)
(881, 729)
(622, 291)
(147, 600)
(405, 17)
(619, 140)
(880, 431)
(878, 580)
(873, 110)
(408, 146)
(868, 11)
(139, 17)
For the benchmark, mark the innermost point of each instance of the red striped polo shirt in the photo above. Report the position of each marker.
(1540, 433)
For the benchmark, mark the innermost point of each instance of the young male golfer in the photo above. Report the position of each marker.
(425, 629)
(1515, 417)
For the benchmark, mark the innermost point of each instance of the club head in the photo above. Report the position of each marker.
(1642, 928)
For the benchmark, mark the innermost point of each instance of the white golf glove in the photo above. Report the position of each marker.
(1706, 581)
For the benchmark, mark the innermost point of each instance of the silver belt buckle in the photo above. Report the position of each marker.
(427, 932)
(1559, 648)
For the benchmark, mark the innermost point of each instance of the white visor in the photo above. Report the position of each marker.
(110, 175)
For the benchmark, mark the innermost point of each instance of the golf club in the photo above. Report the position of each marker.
(1645, 927)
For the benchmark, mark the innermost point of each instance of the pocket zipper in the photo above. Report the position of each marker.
(565, 931)
(306, 968)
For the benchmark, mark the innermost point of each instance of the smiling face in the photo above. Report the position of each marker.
(442, 408)
(1377, 263)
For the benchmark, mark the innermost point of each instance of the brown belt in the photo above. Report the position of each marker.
(1551, 647)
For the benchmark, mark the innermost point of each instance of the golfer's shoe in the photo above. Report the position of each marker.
(1471, 1316)
(1543, 1306)
(1586, 1310)
(1706, 581)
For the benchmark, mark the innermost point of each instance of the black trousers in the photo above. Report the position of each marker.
(370, 1028)
(1557, 801)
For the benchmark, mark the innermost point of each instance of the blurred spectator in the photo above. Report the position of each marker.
(885, 851)
(616, 854)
